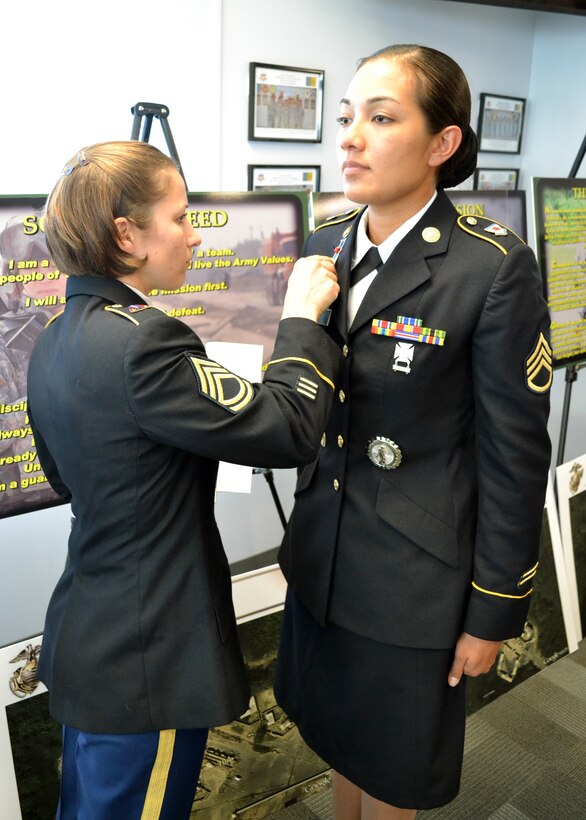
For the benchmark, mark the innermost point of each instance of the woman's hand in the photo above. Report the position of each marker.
(473, 656)
(313, 286)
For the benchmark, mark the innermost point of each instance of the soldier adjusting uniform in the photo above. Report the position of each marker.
(130, 419)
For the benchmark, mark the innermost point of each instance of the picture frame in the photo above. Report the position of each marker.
(285, 103)
(496, 179)
(284, 178)
(500, 123)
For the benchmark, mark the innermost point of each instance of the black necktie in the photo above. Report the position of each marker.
(369, 262)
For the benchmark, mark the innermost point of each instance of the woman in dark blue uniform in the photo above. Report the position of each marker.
(140, 651)
(414, 538)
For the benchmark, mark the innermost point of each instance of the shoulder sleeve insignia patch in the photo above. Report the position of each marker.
(220, 385)
(539, 366)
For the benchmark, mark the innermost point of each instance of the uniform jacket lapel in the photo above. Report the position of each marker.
(411, 263)
(343, 265)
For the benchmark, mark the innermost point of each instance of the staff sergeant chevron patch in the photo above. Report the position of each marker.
(539, 366)
(220, 385)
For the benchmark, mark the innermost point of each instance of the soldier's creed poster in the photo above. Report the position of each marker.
(233, 292)
(560, 220)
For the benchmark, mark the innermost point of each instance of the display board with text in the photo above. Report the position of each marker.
(233, 292)
(560, 223)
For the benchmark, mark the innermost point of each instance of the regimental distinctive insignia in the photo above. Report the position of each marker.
(431, 235)
(497, 230)
(306, 387)
(403, 357)
(481, 226)
(407, 327)
(337, 219)
(384, 453)
(126, 311)
(220, 385)
(539, 366)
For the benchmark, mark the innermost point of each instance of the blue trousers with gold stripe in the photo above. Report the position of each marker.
(147, 776)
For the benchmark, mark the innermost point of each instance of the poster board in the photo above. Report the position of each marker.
(233, 293)
(571, 494)
(560, 225)
(235, 780)
(508, 207)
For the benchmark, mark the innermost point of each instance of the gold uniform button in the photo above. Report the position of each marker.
(340, 441)
(345, 351)
(336, 484)
(323, 440)
(342, 396)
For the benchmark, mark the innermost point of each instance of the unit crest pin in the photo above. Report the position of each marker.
(384, 453)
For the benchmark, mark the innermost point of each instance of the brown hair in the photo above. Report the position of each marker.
(99, 184)
(443, 94)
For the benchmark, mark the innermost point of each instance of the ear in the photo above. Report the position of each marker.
(446, 144)
(125, 234)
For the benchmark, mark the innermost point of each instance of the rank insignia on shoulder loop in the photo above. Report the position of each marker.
(220, 385)
(497, 230)
(539, 366)
(384, 453)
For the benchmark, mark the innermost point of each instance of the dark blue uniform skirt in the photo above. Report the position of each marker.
(382, 716)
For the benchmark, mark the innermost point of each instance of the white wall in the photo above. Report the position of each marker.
(72, 70)
(494, 49)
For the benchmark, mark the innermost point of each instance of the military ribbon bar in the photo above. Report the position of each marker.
(407, 327)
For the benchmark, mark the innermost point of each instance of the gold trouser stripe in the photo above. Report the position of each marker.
(305, 361)
(158, 783)
(501, 594)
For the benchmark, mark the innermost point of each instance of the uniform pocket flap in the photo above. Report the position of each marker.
(418, 525)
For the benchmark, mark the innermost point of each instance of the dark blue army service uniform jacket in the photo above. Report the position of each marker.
(448, 540)
(130, 419)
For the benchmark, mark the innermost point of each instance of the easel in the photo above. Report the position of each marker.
(571, 370)
(161, 112)
(143, 113)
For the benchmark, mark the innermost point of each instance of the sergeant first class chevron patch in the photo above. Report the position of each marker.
(539, 366)
(220, 385)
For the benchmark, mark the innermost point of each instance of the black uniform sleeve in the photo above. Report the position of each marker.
(47, 461)
(512, 374)
(181, 398)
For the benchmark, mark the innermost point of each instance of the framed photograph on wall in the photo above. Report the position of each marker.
(284, 178)
(285, 103)
(500, 123)
(496, 179)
